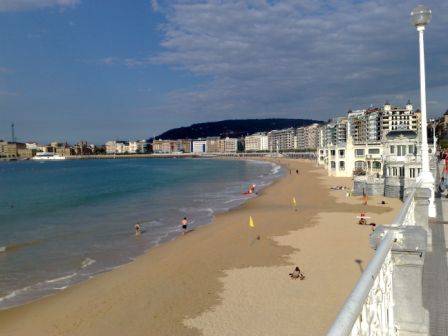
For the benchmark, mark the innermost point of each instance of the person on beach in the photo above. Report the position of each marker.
(297, 274)
(297, 171)
(252, 188)
(138, 229)
(184, 223)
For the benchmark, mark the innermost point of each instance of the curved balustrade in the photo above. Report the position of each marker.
(370, 308)
(366, 311)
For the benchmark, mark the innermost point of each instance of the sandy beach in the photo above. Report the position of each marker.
(228, 278)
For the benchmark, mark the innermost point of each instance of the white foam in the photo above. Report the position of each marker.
(61, 278)
(14, 293)
(87, 262)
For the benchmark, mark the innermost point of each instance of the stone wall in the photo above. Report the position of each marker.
(371, 186)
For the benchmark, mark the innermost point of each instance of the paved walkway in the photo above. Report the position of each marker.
(435, 272)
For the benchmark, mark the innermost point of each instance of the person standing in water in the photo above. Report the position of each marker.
(184, 223)
(138, 229)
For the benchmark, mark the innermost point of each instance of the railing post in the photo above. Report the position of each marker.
(408, 253)
(421, 199)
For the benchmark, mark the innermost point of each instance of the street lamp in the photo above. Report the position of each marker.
(420, 17)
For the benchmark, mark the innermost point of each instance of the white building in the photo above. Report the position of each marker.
(397, 118)
(199, 146)
(139, 146)
(256, 142)
(117, 147)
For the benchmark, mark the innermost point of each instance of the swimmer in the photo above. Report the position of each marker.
(138, 229)
(184, 223)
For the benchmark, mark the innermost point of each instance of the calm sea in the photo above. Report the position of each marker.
(63, 222)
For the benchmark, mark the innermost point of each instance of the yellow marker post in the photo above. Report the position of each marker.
(295, 203)
(251, 222)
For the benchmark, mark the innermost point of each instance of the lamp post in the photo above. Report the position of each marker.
(420, 17)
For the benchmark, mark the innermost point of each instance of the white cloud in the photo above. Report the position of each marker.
(8, 93)
(297, 58)
(110, 60)
(5, 70)
(22, 5)
(155, 5)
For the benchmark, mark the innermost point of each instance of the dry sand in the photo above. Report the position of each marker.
(221, 279)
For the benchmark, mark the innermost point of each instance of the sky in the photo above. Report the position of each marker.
(92, 70)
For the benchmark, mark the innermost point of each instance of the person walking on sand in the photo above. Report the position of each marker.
(184, 223)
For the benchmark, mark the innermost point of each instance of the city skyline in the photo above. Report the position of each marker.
(74, 70)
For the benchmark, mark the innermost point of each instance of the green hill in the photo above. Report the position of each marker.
(233, 128)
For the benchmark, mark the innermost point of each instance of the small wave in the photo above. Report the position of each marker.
(235, 200)
(14, 293)
(61, 278)
(275, 170)
(196, 210)
(18, 246)
(87, 262)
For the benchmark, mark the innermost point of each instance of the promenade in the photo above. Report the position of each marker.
(435, 271)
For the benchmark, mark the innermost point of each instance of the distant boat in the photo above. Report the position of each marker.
(44, 156)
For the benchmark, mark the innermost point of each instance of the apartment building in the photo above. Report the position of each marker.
(282, 140)
(396, 118)
(256, 142)
(230, 145)
(365, 151)
(308, 137)
(212, 144)
(14, 150)
(117, 147)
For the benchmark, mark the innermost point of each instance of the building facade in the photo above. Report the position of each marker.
(256, 142)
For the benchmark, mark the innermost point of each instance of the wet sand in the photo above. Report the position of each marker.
(227, 278)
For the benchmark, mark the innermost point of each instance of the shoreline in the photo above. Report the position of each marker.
(170, 289)
(29, 293)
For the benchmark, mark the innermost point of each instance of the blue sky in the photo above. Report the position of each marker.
(93, 70)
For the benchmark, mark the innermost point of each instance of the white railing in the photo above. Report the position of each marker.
(369, 308)
(368, 311)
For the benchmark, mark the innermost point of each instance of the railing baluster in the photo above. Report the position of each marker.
(369, 310)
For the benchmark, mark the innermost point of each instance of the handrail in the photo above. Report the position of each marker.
(347, 316)
(404, 209)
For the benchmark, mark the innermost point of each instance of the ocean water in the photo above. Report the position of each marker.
(63, 222)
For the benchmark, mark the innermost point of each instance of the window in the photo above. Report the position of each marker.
(376, 165)
(333, 165)
(359, 152)
(412, 172)
(341, 165)
(411, 149)
(394, 171)
(401, 150)
(392, 149)
(332, 152)
(401, 171)
(360, 164)
(341, 152)
(374, 150)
